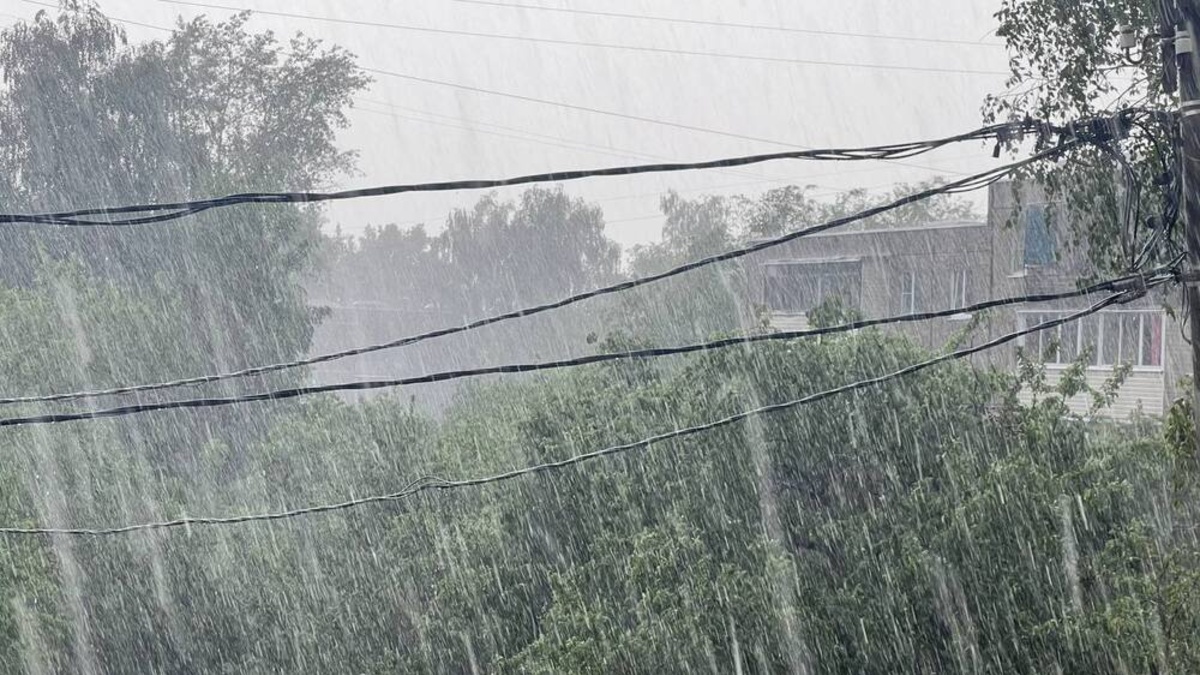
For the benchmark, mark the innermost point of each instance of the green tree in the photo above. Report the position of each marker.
(92, 120)
(789, 208)
(1065, 65)
(498, 255)
(494, 257)
(695, 305)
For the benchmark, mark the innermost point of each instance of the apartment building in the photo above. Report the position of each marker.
(1019, 249)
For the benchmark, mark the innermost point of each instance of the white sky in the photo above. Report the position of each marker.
(408, 131)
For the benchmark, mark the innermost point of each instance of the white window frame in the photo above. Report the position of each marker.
(1099, 322)
(819, 269)
(962, 280)
(908, 292)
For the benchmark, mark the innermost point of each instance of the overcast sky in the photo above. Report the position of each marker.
(407, 130)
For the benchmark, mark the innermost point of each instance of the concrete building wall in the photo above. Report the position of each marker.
(1141, 392)
(1023, 248)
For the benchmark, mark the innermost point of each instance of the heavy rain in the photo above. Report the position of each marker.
(535, 336)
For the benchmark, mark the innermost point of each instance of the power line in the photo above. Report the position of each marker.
(583, 108)
(553, 103)
(528, 99)
(600, 45)
(542, 101)
(726, 24)
(821, 192)
(433, 483)
(179, 210)
(473, 126)
(1128, 283)
(602, 111)
(559, 104)
(524, 135)
(971, 182)
(390, 105)
(128, 21)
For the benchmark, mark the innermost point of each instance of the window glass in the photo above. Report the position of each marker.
(1152, 340)
(1068, 336)
(1109, 338)
(802, 287)
(1039, 239)
(908, 292)
(1130, 338)
(959, 289)
(1089, 335)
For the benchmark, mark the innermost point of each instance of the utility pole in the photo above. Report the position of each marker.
(1189, 128)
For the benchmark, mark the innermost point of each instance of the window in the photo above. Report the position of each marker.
(908, 292)
(1039, 239)
(802, 287)
(958, 288)
(1110, 338)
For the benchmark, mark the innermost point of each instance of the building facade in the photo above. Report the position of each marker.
(1019, 250)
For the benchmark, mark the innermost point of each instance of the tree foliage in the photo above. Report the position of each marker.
(1065, 65)
(90, 120)
(491, 258)
(787, 208)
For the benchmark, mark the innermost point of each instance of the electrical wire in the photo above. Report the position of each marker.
(600, 111)
(599, 45)
(57, 6)
(1172, 188)
(524, 135)
(478, 127)
(431, 483)
(1125, 283)
(182, 209)
(1131, 201)
(971, 182)
(725, 24)
(552, 140)
(559, 104)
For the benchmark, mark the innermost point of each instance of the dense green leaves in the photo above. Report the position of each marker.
(1066, 65)
(89, 120)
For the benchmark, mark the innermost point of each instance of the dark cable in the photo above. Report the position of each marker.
(727, 25)
(970, 182)
(600, 45)
(1125, 283)
(432, 483)
(182, 209)
(607, 113)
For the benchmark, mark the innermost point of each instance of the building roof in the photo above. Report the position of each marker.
(942, 225)
(814, 261)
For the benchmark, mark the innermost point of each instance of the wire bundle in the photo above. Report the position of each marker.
(143, 214)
